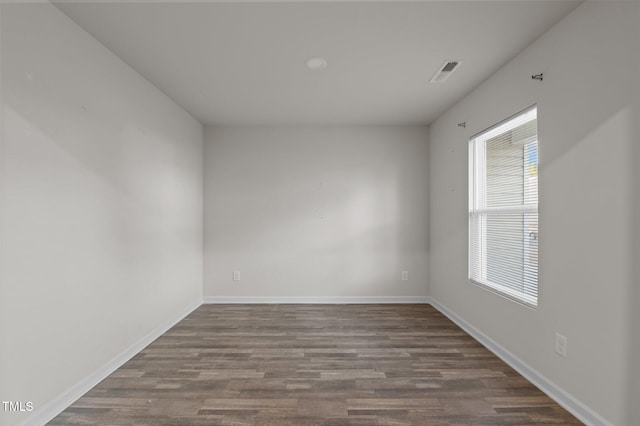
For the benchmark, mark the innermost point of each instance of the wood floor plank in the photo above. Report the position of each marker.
(315, 365)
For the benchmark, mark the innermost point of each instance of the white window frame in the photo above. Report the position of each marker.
(477, 206)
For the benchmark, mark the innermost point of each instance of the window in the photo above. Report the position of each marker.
(503, 208)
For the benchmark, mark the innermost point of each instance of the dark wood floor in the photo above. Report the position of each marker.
(315, 365)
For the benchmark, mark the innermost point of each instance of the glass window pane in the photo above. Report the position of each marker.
(503, 218)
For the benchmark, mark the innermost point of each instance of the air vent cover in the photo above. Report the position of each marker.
(445, 71)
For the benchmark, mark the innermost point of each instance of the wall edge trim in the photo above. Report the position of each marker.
(51, 409)
(553, 391)
(315, 300)
(566, 400)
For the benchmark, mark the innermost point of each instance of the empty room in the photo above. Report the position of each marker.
(320, 212)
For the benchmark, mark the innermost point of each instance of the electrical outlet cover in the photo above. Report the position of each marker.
(561, 345)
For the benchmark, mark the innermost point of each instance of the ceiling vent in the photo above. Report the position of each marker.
(445, 71)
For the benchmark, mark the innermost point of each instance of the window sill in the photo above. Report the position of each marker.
(522, 299)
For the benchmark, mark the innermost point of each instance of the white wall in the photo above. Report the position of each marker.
(312, 212)
(633, 301)
(588, 125)
(101, 226)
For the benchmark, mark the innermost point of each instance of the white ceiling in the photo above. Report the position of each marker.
(244, 63)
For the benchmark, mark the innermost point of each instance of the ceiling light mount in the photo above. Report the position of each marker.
(316, 63)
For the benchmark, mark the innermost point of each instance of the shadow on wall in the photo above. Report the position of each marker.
(89, 230)
(328, 207)
(307, 213)
(588, 126)
(121, 200)
(315, 227)
(347, 240)
(596, 116)
(575, 98)
(633, 387)
(632, 367)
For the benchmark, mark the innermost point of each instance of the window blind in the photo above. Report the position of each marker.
(503, 208)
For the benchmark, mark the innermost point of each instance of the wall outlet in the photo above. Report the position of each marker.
(236, 275)
(404, 275)
(561, 345)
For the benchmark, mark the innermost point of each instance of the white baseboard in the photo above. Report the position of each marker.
(575, 407)
(315, 300)
(47, 412)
